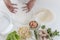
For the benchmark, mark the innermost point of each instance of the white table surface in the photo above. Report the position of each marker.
(54, 5)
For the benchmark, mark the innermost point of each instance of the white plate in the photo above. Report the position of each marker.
(5, 23)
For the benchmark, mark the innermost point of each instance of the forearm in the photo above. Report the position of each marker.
(32, 2)
(7, 2)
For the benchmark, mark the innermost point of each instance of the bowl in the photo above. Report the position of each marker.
(5, 23)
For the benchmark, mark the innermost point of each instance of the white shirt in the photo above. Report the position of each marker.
(21, 1)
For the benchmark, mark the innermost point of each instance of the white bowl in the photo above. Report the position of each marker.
(5, 23)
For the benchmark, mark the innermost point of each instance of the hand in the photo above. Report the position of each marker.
(10, 6)
(29, 5)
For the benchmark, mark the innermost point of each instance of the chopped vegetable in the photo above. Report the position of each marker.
(49, 32)
(55, 33)
(24, 32)
(43, 26)
(52, 34)
(35, 32)
(13, 36)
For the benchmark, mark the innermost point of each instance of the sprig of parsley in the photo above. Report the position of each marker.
(49, 31)
(43, 26)
(35, 32)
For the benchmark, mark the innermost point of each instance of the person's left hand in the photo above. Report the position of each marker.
(29, 5)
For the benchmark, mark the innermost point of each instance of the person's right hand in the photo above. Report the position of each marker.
(10, 6)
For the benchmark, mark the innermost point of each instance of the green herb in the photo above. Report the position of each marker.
(49, 31)
(55, 33)
(52, 34)
(43, 26)
(35, 32)
(13, 36)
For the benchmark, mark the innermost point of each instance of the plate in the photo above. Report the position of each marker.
(5, 23)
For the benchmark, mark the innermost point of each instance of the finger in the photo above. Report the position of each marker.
(24, 7)
(13, 11)
(28, 11)
(14, 4)
(25, 3)
(15, 8)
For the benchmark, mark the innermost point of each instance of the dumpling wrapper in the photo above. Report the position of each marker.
(44, 15)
